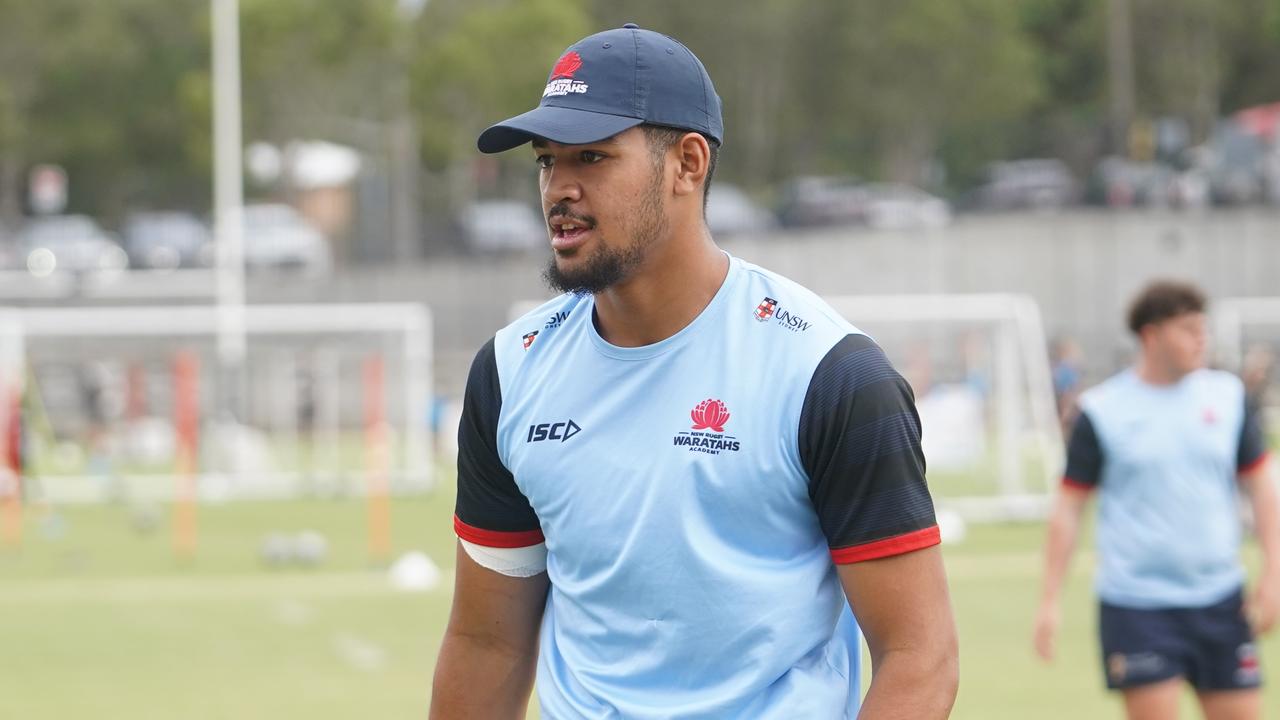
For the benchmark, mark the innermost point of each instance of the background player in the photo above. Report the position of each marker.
(1164, 443)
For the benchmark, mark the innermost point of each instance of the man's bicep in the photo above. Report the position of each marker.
(901, 602)
(496, 610)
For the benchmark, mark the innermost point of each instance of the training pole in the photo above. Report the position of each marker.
(376, 457)
(10, 465)
(186, 422)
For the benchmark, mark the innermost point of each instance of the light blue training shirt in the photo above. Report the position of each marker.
(1166, 460)
(694, 496)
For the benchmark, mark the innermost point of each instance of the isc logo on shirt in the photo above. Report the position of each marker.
(553, 431)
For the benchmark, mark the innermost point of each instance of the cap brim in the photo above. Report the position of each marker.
(567, 126)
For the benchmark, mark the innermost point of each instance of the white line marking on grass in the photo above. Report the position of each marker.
(359, 653)
(294, 613)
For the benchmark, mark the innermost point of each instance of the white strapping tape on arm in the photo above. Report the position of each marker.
(512, 562)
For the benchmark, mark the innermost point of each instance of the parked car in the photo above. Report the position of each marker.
(276, 236)
(1030, 184)
(502, 225)
(892, 206)
(731, 212)
(1236, 165)
(1118, 182)
(167, 240)
(811, 201)
(72, 243)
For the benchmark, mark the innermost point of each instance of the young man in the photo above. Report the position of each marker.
(1165, 444)
(672, 477)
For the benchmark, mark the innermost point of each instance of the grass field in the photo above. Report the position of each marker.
(98, 619)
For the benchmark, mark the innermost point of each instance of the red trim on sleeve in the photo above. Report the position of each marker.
(1254, 464)
(1075, 484)
(897, 545)
(496, 538)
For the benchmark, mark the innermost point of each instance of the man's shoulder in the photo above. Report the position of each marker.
(522, 332)
(534, 328)
(1219, 381)
(1106, 394)
(787, 303)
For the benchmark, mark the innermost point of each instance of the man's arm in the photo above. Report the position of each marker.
(1064, 529)
(1083, 473)
(904, 609)
(487, 660)
(1263, 606)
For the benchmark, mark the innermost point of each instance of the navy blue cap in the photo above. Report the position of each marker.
(612, 81)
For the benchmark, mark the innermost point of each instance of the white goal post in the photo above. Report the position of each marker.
(1025, 425)
(387, 404)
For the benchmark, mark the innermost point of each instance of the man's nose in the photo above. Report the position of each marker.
(560, 185)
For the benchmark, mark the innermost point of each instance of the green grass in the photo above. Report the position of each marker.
(101, 621)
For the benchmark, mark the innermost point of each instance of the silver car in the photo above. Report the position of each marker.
(69, 243)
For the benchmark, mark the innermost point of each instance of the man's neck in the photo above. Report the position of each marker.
(1153, 373)
(675, 284)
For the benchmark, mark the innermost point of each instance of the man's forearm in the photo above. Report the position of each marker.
(1064, 528)
(476, 679)
(1266, 515)
(913, 685)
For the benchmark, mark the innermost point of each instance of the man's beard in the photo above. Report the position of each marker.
(607, 266)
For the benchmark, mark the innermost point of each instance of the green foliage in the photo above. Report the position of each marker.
(118, 92)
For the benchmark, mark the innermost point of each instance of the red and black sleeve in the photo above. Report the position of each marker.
(490, 508)
(859, 442)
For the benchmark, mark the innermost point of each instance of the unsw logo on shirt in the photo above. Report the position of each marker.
(709, 415)
(769, 309)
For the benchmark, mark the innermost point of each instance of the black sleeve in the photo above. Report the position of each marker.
(859, 442)
(1084, 455)
(490, 509)
(1253, 439)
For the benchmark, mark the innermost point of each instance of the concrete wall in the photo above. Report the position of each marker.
(1082, 268)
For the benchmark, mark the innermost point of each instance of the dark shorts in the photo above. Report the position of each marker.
(1212, 647)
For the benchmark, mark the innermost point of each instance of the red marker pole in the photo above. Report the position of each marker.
(186, 421)
(11, 466)
(376, 458)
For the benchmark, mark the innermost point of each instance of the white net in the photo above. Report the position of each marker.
(131, 403)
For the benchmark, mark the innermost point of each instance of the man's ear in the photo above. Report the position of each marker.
(693, 156)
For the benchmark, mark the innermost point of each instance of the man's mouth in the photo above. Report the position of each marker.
(567, 233)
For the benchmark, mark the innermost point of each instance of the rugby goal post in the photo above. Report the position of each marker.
(991, 433)
(367, 388)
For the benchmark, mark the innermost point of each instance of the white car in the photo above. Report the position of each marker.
(902, 207)
(276, 236)
(503, 225)
(731, 212)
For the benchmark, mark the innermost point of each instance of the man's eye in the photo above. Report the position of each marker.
(591, 156)
(544, 161)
